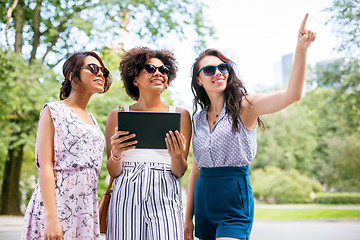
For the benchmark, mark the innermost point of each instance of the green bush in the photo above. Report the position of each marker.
(338, 198)
(273, 185)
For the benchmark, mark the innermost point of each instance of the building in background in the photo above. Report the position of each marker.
(282, 70)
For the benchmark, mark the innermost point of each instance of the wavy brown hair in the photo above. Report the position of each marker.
(235, 91)
(73, 65)
(133, 62)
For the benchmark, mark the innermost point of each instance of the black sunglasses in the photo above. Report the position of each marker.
(94, 69)
(151, 69)
(210, 69)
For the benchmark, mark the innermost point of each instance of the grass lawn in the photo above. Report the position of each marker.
(306, 213)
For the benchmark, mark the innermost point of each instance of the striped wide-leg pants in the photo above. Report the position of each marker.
(145, 204)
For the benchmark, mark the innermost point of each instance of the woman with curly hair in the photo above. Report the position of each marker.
(224, 142)
(146, 198)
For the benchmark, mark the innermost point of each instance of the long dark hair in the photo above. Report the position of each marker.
(234, 92)
(73, 65)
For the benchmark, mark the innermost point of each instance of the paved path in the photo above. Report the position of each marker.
(10, 229)
(309, 230)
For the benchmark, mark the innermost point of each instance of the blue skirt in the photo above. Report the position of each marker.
(223, 203)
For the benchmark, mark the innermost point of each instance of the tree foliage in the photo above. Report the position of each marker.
(343, 76)
(289, 140)
(342, 170)
(24, 89)
(346, 20)
(52, 30)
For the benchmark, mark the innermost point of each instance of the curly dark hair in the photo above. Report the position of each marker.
(234, 91)
(73, 65)
(133, 62)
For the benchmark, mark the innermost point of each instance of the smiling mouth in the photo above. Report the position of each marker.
(219, 81)
(157, 81)
(98, 81)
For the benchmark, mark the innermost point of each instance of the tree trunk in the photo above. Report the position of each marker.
(19, 17)
(10, 193)
(36, 30)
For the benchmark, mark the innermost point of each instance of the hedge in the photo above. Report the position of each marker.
(338, 198)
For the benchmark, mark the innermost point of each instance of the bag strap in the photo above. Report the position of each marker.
(109, 188)
(111, 182)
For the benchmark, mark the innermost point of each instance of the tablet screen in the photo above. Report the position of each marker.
(150, 127)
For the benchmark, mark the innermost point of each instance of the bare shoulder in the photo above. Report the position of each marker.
(45, 123)
(182, 111)
(45, 114)
(113, 113)
(112, 118)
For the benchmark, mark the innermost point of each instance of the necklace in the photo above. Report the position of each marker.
(214, 122)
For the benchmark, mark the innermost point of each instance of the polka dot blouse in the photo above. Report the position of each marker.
(220, 147)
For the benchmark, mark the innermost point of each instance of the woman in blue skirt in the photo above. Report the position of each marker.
(224, 142)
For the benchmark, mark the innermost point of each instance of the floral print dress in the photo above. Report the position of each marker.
(78, 154)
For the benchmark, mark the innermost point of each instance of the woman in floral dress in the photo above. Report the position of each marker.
(69, 153)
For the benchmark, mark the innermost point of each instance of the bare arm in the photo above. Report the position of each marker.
(45, 146)
(188, 224)
(269, 103)
(178, 144)
(115, 145)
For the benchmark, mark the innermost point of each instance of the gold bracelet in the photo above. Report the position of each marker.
(116, 159)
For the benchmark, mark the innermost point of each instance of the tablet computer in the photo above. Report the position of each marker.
(150, 127)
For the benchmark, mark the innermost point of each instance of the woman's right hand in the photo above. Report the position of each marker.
(53, 229)
(118, 144)
(188, 230)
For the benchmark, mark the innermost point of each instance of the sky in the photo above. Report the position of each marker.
(254, 35)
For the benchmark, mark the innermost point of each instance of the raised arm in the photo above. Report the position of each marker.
(273, 102)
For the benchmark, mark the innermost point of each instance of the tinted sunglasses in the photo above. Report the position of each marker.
(94, 69)
(151, 69)
(210, 69)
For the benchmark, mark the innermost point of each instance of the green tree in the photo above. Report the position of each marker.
(346, 19)
(288, 141)
(53, 30)
(45, 32)
(343, 77)
(342, 171)
(335, 131)
(337, 99)
(24, 90)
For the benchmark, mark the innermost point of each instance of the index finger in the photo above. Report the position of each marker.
(302, 27)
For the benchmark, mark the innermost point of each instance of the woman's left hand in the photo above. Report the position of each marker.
(175, 143)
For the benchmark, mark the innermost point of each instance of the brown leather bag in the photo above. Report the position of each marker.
(104, 205)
